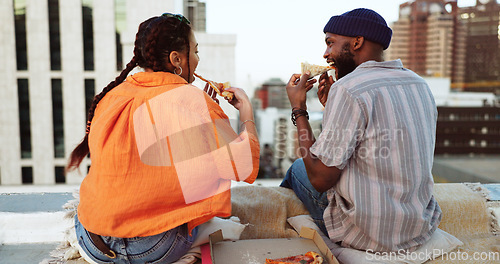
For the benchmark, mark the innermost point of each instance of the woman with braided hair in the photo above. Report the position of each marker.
(163, 153)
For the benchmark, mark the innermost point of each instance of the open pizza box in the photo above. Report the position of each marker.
(255, 251)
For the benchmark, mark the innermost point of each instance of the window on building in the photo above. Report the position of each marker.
(89, 96)
(54, 36)
(24, 117)
(57, 118)
(27, 175)
(60, 174)
(191, 13)
(20, 29)
(119, 52)
(89, 93)
(88, 35)
(121, 24)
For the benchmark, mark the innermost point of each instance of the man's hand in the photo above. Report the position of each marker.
(325, 82)
(297, 88)
(321, 176)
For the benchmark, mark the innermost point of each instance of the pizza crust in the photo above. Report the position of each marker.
(310, 257)
(317, 258)
(315, 70)
(226, 94)
(219, 88)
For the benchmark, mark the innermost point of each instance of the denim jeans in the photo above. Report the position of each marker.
(314, 201)
(166, 247)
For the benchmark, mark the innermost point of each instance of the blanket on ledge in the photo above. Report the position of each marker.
(265, 210)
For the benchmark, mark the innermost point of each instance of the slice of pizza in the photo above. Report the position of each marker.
(219, 88)
(310, 257)
(314, 69)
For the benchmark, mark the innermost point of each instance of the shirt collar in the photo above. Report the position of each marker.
(394, 64)
(152, 79)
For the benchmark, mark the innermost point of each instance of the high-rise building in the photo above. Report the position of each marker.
(437, 38)
(426, 38)
(56, 55)
(482, 66)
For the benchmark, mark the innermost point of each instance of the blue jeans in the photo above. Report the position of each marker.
(166, 247)
(314, 201)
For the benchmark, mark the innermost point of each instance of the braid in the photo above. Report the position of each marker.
(82, 149)
(186, 39)
(150, 49)
(155, 39)
(123, 75)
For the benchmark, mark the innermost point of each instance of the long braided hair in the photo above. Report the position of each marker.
(156, 38)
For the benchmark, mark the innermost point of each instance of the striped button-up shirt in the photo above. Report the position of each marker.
(379, 128)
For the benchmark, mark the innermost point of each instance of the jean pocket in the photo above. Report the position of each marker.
(91, 251)
(179, 248)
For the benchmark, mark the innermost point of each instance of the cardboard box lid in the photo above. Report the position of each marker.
(255, 251)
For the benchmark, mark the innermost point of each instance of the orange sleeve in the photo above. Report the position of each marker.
(244, 149)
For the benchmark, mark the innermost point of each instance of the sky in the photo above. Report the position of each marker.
(275, 36)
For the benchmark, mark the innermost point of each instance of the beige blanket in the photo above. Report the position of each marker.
(266, 210)
(465, 215)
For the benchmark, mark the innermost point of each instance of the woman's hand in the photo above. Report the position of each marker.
(211, 92)
(296, 89)
(242, 103)
(325, 82)
(240, 98)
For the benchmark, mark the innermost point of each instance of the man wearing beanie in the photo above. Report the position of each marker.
(366, 179)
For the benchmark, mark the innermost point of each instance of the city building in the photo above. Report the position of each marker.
(57, 54)
(457, 50)
(439, 39)
(272, 93)
(429, 39)
(482, 66)
(446, 97)
(195, 11)
(276, 130)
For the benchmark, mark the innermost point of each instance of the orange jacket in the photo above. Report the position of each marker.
(163, 154)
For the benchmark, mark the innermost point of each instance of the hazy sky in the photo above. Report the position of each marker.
(274, 36)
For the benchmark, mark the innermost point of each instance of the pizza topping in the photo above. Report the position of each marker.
(317, 259)
(310, 257)
(219, 88)
(314, 69)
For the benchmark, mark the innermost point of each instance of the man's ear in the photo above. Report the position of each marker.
(175, 58)
(358, 42)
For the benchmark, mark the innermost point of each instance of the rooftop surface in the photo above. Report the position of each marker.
(483, 169)
(32, 219)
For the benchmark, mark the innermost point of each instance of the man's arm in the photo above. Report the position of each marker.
(321, 176)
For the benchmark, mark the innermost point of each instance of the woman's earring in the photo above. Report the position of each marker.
(176, 70)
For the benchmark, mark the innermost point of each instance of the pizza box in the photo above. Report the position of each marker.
(255, 251)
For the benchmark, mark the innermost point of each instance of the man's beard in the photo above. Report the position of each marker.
(345, 63)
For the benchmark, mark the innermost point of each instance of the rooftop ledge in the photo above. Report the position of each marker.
(32, 219)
